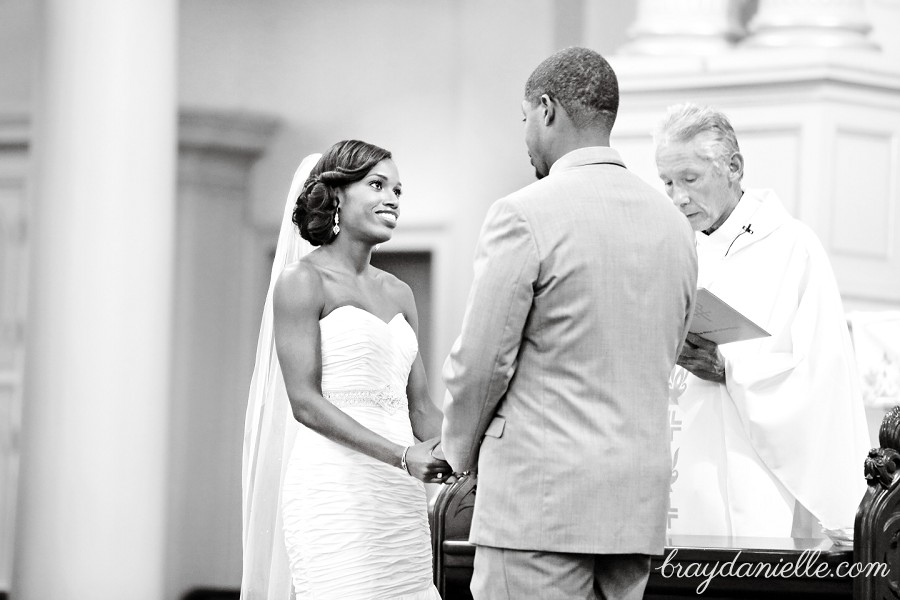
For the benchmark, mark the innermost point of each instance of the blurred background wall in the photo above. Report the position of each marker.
(166, 133)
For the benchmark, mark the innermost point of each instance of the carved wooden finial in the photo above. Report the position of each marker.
(881, 465)
(889, 434)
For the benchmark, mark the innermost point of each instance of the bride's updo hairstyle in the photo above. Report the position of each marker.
(344, 163)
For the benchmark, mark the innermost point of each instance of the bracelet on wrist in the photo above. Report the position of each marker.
(403, 464)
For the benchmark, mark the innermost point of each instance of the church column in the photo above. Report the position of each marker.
(92, 510)
(684, 27)
(810, 24)
(223, 261)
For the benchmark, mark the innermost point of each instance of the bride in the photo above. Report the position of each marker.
(336, 505)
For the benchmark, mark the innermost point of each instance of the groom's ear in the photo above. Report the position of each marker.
(548, 105)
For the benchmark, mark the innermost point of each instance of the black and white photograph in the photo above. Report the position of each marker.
(449, 299)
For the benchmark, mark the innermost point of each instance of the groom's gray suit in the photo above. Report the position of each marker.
(558, 385)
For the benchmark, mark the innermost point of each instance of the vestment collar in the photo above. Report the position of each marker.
(757, 214)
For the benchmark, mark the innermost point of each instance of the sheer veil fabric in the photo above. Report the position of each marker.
(269, 433)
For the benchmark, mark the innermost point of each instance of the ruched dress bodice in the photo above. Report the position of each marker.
(355, 527)
(366, 361)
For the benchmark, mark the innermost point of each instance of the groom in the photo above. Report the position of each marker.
(558, 384)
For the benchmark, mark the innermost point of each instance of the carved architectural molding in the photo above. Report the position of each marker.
(810, 24)
(238, 133)
(684, 27)
(709, 27)
(15, 130)
(218, 148)
(221, 259)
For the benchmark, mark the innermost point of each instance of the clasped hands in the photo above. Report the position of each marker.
(425, 461)
(702, 358)
(699, 356)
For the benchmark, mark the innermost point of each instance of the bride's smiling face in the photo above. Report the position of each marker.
(370, 207)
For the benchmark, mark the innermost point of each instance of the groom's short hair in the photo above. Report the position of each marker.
(582, 82)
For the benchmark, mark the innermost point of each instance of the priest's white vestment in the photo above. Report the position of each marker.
(781, 444)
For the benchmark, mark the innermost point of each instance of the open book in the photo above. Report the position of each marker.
(718, 322)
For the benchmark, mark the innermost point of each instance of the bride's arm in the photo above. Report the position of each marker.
(424, 415)
(298, 301)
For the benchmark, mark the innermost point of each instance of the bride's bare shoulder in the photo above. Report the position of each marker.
(300, 285)
(303, 271)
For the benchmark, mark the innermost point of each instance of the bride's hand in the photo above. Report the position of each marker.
(423, 466)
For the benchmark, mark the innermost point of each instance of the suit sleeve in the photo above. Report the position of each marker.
(483, 359)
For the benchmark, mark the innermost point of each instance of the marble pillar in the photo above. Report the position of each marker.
(92, 503)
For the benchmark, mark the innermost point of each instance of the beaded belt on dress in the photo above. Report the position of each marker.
(388, 398)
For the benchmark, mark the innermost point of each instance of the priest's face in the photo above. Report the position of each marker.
(706, 192)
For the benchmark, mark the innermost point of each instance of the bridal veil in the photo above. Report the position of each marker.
(269, 433)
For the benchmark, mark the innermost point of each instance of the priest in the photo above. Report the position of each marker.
(768, 434)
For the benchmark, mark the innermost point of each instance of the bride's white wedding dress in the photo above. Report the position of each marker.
(355, 527)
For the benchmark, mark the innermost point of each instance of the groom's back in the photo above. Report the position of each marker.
(586, 411)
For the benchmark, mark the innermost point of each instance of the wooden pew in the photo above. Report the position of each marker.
(876, 533)
(759, 567)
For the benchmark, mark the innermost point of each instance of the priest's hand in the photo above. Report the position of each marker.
(702, 358)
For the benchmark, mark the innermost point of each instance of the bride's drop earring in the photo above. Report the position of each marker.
(337, 222)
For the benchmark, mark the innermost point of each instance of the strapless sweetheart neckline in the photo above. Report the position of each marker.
(357, 528)
(364, 311)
